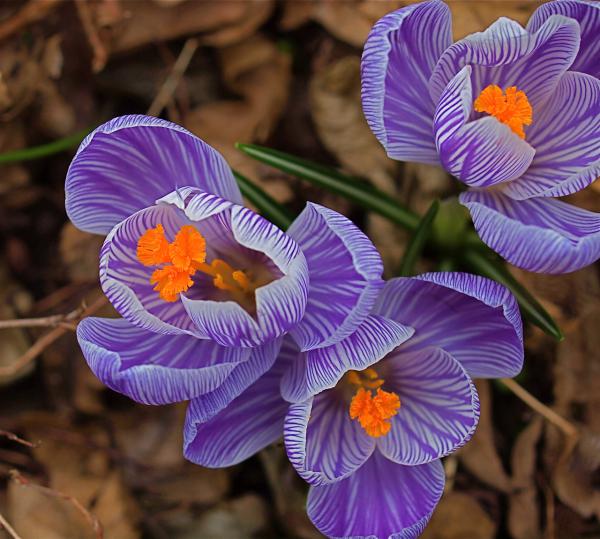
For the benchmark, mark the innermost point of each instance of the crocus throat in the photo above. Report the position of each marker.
(511, 108)
(181, 259)
(371, 405)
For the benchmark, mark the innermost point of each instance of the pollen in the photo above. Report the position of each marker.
(188, 247)
(153, 247)
(374, 411)
(181, 259)
(512, 107)
(170, 282)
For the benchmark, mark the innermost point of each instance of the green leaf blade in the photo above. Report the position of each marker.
(269, 208)
(347, 186)
(418, 240)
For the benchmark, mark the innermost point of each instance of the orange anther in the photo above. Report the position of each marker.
(183, 257)
(170, 281)
(188, 247)
(373, 412)
(153, 247)
(512, 108)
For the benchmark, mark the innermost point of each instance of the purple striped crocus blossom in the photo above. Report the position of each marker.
(371, 416)
(206, 287)
(512, 112)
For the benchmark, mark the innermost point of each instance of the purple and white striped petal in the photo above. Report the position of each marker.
(260, 360)
(345, 276)
(126, 282)
(381, 500)
(320, 369)
(567, 145)
(538, 234)
(233, 233)
(322, 442)
(242, 416)
(439, 406)
(508, 55)
(587, 14)
(129, 162)
(398, 59)
(151, 368)
(474, 319)
(480, 153)
(280, 304)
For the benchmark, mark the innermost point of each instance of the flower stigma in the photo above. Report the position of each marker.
(511, 108)
(181, 259)
(371, 405)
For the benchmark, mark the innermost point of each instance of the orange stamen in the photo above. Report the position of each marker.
(153, 247)
(373, 412)
(189, 246)
(170, 281)
(512, 108)
(183, 257)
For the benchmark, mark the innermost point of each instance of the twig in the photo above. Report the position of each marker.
(58, 296)
(92, 519)
(100, 53)
(46, 340)
(172, 81)
(557, 420)
(5, 525)
(33, 11)
(44, 321)
(13, 437)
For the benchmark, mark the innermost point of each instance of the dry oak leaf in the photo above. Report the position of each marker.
(337, 113)
(523, 502)
(350, 21)
(480, 455)
(576, 382)
(77, 466)
(261, 75)
(459, 516)
(217, 23)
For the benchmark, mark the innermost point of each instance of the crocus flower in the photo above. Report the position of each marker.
(206, 287)
(512, 112)
(371, 416)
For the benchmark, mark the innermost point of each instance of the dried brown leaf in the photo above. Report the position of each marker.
(480, 455)
(218, 23)
(349, 21)
(77, 466)
(577, 378)
(523, 509)
(13, 342)
(80, 253)
(34, 513)
(337, 113)
(470, 16)
(261, 74)
(459, 516)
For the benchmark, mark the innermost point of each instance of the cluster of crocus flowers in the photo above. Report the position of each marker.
(269, 333)
(512, 112)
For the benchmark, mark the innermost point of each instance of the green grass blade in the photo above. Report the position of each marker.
(347, 186)
(418, 241)
(37, 152)
(269, 208)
